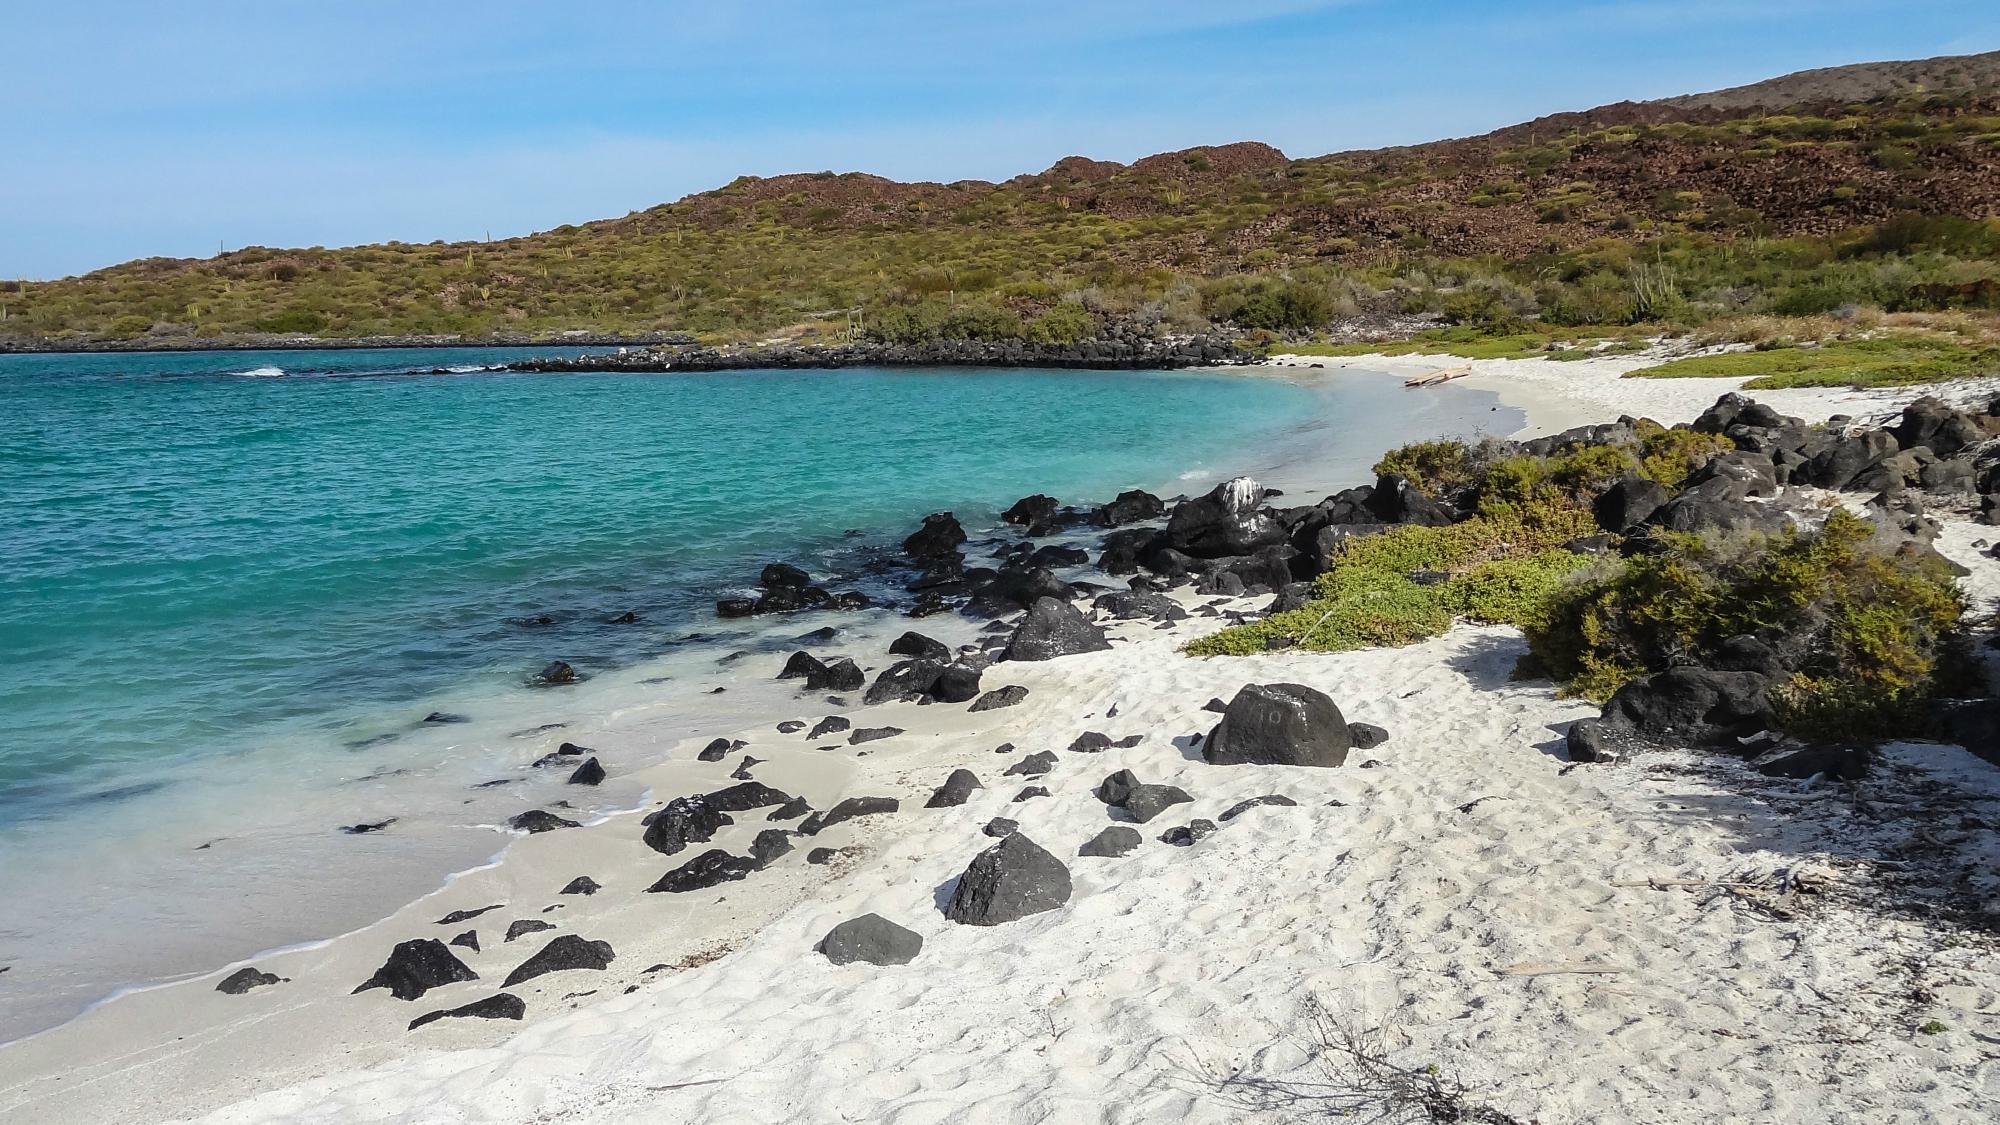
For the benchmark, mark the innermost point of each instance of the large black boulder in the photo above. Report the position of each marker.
(958, 683)
(1053, 629)
(1930, 422)
(1130, 507)
(564, 953)
(415, 967)
(939, 537)
(1113, 842)
(802, 665)
(1279, 724)
(870, 938)
(1139, 605)
(905, 679)
(1224, 523)
(1696, 706)
(591, 772)
(956, 790)
(1395, 500)
(1630, 502)
(710, 868)
(743, 797)
(776, 576)
(1017, 587)
(1011, 880)
(916, 644)
(838, 674)
(1031, 510)
(685, 820)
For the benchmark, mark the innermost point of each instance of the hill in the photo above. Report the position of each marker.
(1602, 215)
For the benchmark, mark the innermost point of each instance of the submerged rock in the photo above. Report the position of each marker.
(536, 821)
(415, 967)
(557, 672)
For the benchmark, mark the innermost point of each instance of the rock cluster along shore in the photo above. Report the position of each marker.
(1227, 543)
(1132, 351)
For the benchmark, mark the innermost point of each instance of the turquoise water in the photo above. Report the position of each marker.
(190, 550)
(232, 585)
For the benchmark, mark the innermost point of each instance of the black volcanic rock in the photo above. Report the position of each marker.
(563, 953)
(415, 967)
(870, 938)
(245, 979)
(581, 885)
(589, 773)
(1279, 724)
(1054, 629)
(685, 820)
(958, 787)
(1013, 879)
(710, 868)
(536, 821)
(503, 1006)
(916, 644)
(999, 697)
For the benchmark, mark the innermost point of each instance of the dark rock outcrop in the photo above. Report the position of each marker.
(710, 868)
(1114, 842)
(958, 787)
(1279, 724)
(999, 697)
(581, 885)
(561, 955)
(870, 938)
(415, 967)
(245, 979)
(1011, 880)
(503, 1006)
(536, 821)
(685, 820)
(1054, 629)
(1695, 706)
(591, 772)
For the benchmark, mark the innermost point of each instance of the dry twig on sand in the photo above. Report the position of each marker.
(1357, 1082)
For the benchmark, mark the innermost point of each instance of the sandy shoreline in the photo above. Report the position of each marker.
(1531, 924)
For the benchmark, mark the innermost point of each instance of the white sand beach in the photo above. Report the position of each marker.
(1668, 939)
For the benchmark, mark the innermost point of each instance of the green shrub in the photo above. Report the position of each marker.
(1434, 468)
(1873, 628)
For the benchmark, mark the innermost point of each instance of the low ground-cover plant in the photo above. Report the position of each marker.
(1408, 584)
(1869, 631)
(1896, 359)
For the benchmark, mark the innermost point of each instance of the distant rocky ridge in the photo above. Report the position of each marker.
(1121, 349)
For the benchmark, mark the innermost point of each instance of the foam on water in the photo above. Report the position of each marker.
(230, 603)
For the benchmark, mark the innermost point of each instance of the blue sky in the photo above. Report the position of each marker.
(138, 129)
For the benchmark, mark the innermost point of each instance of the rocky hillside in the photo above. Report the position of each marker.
(764, 252)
